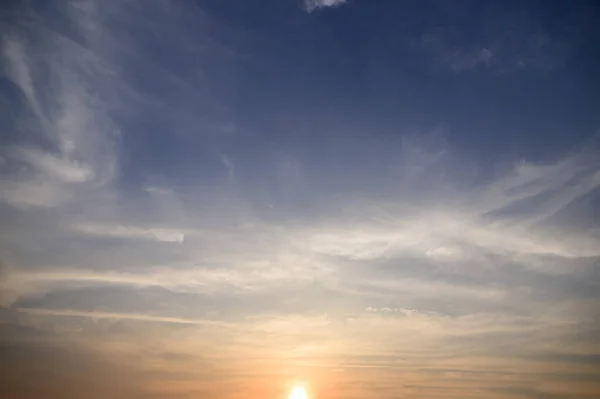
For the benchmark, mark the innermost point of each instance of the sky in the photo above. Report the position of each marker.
(222, 199)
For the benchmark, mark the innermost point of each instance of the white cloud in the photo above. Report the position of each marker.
(124, 231)
(444, 253)
(310, 5)
(239, 274)
(19, 70)
(54, 167)
(426, 234)
(67, 116)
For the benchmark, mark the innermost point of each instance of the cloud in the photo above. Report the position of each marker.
(258, 256)
(228, 164)
(261, 277)
(19, 70)
(120, 231)
(402, 311)
(461, 61)
(444, 253)
(32, 193)
(501, 41)
(73, 127)
(53, 167)
(459, 58)
(311, 5)
(430, 234)
(115, 316)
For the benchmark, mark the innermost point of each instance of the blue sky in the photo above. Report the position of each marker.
(374, 198)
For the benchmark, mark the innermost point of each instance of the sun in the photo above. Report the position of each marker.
(298, 392)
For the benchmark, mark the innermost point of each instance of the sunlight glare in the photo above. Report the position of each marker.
(298, 392)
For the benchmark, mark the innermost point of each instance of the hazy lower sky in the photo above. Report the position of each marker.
(378, 199)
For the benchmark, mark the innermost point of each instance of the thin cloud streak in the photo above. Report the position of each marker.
(117, 316)
(119, 231)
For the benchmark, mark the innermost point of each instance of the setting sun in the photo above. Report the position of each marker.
(298, 392)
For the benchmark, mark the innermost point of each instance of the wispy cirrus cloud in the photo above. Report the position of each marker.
(503, 43)
(76, 132)
(53, 167)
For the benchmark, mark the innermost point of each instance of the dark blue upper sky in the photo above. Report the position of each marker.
(501, 81)
(384, 67)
